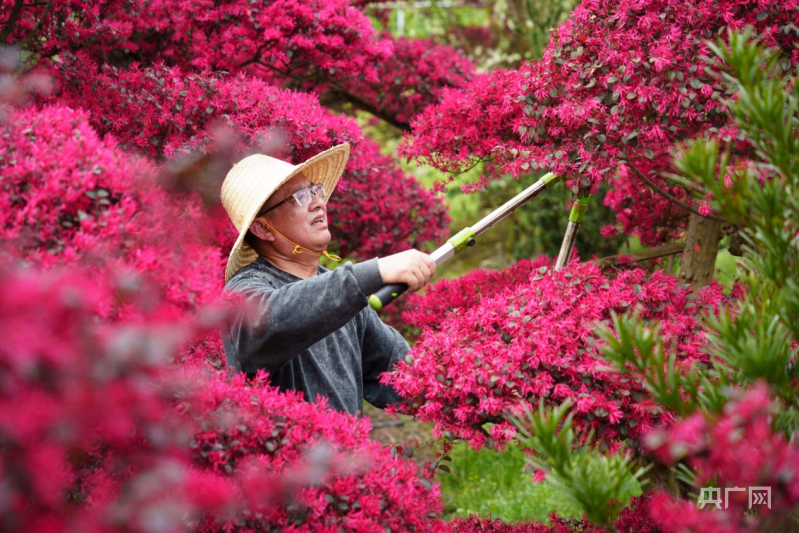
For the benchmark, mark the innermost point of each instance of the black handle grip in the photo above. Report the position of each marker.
(385, 295)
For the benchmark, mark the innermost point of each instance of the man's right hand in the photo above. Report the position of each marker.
(411, 267)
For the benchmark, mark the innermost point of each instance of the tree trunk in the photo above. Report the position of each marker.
(664, 250)
(701, 247)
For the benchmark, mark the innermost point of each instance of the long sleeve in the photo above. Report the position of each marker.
(382, 347)
(285, 321)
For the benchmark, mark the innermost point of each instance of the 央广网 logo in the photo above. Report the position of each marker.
(712, 496)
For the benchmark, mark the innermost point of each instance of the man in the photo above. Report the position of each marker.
(313, 331)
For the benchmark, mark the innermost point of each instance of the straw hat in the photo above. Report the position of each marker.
(251, 182)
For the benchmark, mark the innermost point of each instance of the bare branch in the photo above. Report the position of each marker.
(11, 22)
(371, 109)
(692, 187)
(668, 196)
(36, 29)
(672, 248)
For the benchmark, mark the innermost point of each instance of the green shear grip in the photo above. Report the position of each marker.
(550, 179)
(385, 295)
(375, 303)
(578, 210)
(461, 239)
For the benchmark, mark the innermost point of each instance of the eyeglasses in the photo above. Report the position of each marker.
(303, 197)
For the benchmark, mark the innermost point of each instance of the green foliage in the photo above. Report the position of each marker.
(726, 266)
(497, 484)
(640, 347)
(761, 341)
(599, 485)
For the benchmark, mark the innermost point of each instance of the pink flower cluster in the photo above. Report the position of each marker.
(492, 343)
(621, 80)
(89, 438)
(736, 449)
(105, 281)
(414, 76)
(287, 37)
(467, 126)
(165, 113)
(70, 24)
(64, 187)
(101, 433)
(327, 47)
(641, 212)
(152, 88)
(379, 210)
(72, 198)
(288, 463)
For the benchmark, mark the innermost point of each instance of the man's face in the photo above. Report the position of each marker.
(307, 225)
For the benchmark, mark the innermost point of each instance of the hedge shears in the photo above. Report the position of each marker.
(467, 237)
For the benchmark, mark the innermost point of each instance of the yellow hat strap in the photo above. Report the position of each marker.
(298, 248)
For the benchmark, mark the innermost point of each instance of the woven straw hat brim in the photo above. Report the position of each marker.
(251, 182)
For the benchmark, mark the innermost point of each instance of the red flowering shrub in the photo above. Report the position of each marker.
(65, 189)
(486, 355)
(639, 211)
(99, 432)
(449, 135)
(68, 24)
(282, 40)
(87, 435)
(739, 449)
(478, 524)
(621, 80)
(289, 37)
(297, 464)
(411, 78)
(70, 197)
(328, 47)
(164, 112)
(167, 111)
(447, 297)
(378, 210)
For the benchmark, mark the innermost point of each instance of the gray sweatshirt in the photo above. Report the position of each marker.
(315, 335)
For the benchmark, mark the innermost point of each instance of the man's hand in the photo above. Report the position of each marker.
(410, 267)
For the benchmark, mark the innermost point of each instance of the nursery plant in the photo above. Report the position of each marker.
(724, 398)
(628, 390)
